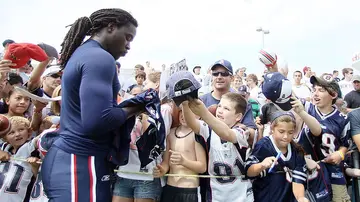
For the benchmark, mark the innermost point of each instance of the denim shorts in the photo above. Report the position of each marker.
(143, 189)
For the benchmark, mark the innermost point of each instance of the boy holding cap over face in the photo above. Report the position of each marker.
(184, 154)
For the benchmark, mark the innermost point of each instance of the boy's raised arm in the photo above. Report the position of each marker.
(190, 119)
(219, 127)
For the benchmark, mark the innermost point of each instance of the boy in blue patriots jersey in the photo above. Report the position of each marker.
(330, 146)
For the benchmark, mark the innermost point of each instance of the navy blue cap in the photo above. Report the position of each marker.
(226, 64)
(243, 89)
(180, 85)
(278, 89)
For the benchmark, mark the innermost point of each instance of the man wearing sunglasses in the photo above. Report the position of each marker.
(51, 78)
(222, 73)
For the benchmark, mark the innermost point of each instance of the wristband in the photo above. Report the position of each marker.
(341, 155)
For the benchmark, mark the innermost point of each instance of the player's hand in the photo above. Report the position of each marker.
(33, 160)
(159, 171)
(333, 158)
(4, 156)
(176, 158)
(267, 162)
(296, 104)
(197, 107)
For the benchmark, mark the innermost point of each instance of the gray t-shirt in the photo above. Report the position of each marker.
(354, 117)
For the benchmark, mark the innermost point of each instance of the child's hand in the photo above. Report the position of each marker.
(197, 107)
(176, 158)
(159, 171)
(333, 158)
(267, 162)
(302, 199)
(33, 160)
(296, 104)
(258, 124)
(4, 156)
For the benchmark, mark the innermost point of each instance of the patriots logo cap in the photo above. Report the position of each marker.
(278, 89)
(181, 85)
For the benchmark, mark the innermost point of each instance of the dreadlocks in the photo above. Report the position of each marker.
(89, 25)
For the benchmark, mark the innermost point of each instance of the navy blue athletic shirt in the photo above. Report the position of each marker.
(89, 112)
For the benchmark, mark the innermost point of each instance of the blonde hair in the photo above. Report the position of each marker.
(55, 106)
(154, 76)
(19, 120)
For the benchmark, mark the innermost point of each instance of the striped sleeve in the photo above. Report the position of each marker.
(299, 173)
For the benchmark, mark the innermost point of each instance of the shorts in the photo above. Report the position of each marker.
(340, 193)
(72, 177)
(143, 189)
(177, 194)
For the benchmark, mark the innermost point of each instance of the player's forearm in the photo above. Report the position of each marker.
(298, 190)
(196, 166)
(219, 127)
(255, 170)
(311, 122)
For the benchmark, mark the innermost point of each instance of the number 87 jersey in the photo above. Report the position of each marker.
(227, 164)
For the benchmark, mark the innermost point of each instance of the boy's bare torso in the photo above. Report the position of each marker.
(186, 146)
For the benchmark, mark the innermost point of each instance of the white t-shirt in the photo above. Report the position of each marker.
(345, 87)
(254, 93)
(301, 91)
(306, 81)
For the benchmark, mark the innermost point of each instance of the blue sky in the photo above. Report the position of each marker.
(323, 34)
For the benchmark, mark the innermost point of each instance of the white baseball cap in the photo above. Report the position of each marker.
(51, 70)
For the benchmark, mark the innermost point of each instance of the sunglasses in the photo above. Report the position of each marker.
(55, 76)
(224, 74)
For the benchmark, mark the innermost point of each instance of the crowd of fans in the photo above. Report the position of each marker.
(250, 131)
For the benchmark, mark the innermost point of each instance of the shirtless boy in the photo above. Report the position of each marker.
(183, 156)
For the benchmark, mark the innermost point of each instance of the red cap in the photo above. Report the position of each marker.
(21, 53)
(305, 69)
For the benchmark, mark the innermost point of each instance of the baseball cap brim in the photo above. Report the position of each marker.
(317, 80)
(219, 64)
(284, 106)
